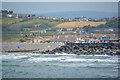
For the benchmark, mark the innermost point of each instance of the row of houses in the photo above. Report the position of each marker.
(82, 18)
(76, 39)
(55, 18)
(78, 19)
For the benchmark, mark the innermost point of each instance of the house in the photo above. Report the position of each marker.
(59, 29)
(81, 40)
(114, 41)
(16, 15)
(48, 38)
(80, 19)
(27, 29)
(55, 18)
(105, 39)
(62, 19)
(38, 39)
(9, 15)
(42, 31)
(103, 35)
(108, 30)
(93, 41)
(64, 39)
(90, 19)
(69, 29)
(54, 36)
(106, 19)
(69, 19)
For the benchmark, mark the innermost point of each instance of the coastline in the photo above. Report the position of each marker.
(61, 48)
(28, 47)
(89, 49)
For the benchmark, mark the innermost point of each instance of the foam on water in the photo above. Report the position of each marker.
(13, 56)
(64, 58)
(70, 59)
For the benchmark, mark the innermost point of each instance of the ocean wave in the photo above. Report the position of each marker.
(58, 58)
(13, 56)
(43, 59)
(82, 65)
(67, 59)
(90, 60)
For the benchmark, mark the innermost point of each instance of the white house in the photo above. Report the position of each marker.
(42, 31)
(9, 15)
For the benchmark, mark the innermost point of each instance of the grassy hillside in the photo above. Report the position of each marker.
(12, 24)
(78, 24)
(12, 27)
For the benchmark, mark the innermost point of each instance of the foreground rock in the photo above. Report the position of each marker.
(87, 49)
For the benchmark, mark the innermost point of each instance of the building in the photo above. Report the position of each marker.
(108, 30)
(93, 41)
(80, 19)
(48, 38)
(105, 39)
(59, 29)
(64, 39)
(42, 31)
(9, 15)
(38, 39)
(114, 41)
(70, 38)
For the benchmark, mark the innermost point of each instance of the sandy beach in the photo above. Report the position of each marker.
(29, 46)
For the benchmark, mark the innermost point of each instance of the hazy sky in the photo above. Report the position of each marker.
(50, 7)
(60, 0)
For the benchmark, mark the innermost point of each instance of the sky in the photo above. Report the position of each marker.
(60, 0)
(51, 7)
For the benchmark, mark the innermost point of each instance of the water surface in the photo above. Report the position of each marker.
(29, 65)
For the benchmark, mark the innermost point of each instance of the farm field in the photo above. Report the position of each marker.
(78, 24)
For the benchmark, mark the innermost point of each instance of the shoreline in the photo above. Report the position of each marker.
(26, 47)
(69, 48)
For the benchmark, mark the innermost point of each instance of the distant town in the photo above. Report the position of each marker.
(42, 29)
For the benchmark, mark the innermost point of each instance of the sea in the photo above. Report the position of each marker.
(35, 65)
(88, 14)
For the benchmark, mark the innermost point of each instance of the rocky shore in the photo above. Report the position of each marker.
(87, 49)
(69, 48)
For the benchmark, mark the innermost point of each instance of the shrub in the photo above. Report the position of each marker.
(22, 40)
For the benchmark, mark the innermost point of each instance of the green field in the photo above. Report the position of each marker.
(20, 24)
(12, 27)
